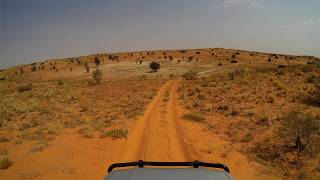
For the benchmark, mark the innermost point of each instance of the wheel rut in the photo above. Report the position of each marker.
(157, 135)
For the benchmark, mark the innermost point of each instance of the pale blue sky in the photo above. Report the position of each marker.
(33, 30)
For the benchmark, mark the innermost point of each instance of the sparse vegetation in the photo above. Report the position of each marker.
(154, 66)
(60, 82)
(115, 133)
(86, 66)
(190, 75)
(24, 88)
(299, 131)
(33, 68)
(193, 117)
(97, 61)
(5, 163)
(97, 75)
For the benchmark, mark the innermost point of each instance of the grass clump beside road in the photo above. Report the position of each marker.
(5, 163)
(193, 117)
(115, 133)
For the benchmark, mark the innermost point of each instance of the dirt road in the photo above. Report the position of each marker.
(157, 135)
(160, 135)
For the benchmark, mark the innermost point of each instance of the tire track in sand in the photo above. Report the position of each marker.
(157, 136)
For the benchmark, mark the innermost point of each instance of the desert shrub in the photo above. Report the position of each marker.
(279, 84)
(115, 133)
(299, 131)
(247, 138)
(4, 139)
(171, 58)
(234, 61)
(190, 75)
(282, 66)
(204, 82)
(96, 75)
(314, 98)
(113, 57)
(198, 52)
(193, 117)
(24, 88)
(60, 82)
(86, 132)
(86, 66)
(96, 61)
(33, 68)
(190, 58)
(154, 66)
(55, 128)
(2, 78)
(5, 163)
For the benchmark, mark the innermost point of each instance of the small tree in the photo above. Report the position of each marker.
(86, 66)
(154, 66)
(299, 130)
(97, 61)
(97, 74)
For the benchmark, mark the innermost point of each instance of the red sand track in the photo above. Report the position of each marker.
(156, 137)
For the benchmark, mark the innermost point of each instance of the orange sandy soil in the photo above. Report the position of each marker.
(61, 130)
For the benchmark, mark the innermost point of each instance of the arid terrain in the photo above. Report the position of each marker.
(258, 113)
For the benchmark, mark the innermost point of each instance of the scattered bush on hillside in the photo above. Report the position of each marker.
(234, 61)
(33, 68)
(113, 57)
(97, 74)
(24, 88)
(282, 66)
(198, 52)
(190, 58)
(86, 66)
(299, 131)
(96, 61)
(171, 58)
(190, 75)
(60, 82)
(314, 98)
(154, 66)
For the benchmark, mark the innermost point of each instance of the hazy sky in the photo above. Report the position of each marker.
(33, 30)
